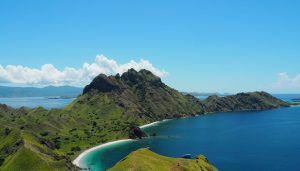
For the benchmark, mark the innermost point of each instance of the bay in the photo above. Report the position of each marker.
(232, 141)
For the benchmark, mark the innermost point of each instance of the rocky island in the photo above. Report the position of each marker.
(110, 108)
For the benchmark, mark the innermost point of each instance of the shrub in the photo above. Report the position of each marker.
(1, 161)
(77, 148)
(70, 153)
(43, 134)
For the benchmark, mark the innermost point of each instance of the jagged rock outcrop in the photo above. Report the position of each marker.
(103, 83)
(136, 133)
(47, 143)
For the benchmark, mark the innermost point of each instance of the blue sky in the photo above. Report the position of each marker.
(206, 46)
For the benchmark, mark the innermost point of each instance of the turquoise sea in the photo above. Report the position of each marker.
(232, 141)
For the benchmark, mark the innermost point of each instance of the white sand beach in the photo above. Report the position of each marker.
(154, 123)
(149, 125)
(79, 158)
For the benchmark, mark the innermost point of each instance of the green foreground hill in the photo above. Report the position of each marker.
(40, 139)
(146, 160)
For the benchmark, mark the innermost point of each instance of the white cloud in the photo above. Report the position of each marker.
(287, 83)
(49, 75)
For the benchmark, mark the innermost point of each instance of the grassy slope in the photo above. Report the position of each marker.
(73, 129)
(25, 153)
(26, 159)
(144, 160)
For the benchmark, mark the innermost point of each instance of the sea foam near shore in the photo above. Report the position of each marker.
(154, 123)
(77, 161)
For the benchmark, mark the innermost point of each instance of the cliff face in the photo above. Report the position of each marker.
(143, 94)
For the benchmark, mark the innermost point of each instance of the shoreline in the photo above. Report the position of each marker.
(154, 123)
(77, 160)
(150, 124)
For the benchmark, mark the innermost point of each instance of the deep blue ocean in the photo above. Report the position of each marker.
(233, 141)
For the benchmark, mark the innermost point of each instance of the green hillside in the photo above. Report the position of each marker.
(242, 102)
(146, 160)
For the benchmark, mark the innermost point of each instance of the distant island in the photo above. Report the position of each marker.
(50, 91)
(110, 108)
(61, 97)
(206, 94)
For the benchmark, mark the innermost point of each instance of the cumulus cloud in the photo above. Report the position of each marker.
(286, 82)
(49, 75)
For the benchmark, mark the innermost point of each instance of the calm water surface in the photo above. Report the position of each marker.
(233, 141)
(33, 102)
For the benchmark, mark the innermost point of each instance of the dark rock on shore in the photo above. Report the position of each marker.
(136, 133)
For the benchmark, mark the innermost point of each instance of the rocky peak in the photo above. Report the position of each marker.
(131, 78)
(102, 83)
